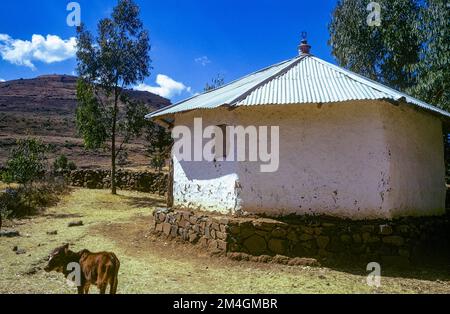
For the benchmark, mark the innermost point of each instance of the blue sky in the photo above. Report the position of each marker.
(192, 41)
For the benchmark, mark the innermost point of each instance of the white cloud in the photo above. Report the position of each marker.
(167, 88)
(2, 80)
(49, 49)
(203, 60)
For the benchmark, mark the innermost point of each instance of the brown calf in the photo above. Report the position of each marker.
(99, 269)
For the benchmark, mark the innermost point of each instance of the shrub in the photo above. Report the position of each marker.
(160, 143)
(71, 165)
(4, 211)
(9, 200)
(27, 162)
(27, 165)
(33, 198)
(158, 162)
(61, 163)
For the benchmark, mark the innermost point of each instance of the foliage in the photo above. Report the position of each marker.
(433, 79)
(107, 64)
(32, 198)
(27, 162)
(386, 53)
(410, 51)
(71, 165)
(134, 122)
(160, 142)
(5, 213)
(27, 166)
(61, 163)
(216, 82)
(91, 119)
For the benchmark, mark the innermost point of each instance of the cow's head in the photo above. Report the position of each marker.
(58, 259)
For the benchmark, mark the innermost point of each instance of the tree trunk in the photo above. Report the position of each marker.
(113, 146)
(113, 167)
(170, 185)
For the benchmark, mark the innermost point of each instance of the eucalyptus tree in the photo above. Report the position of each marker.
(386, 51)
(216, 82)
(108, 63)
(433, 70)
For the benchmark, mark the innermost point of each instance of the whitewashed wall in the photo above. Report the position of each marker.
(203, 185)
(416, 172)
(346, 160)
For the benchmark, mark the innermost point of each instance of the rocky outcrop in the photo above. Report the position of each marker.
(148, 182)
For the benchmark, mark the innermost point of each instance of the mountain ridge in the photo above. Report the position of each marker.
(45, 106)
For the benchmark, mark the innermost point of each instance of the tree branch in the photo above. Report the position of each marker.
(122, 145)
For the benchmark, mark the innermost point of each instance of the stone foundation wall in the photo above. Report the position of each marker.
(126, 180)
(211, 232)
(399, 241)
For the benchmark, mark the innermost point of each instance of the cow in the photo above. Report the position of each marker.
(99, 269)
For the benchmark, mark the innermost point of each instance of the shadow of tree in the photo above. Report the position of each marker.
(149, 201)
(62, 216)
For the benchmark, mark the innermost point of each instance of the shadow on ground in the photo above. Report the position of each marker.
(430, 270)
(139, 202)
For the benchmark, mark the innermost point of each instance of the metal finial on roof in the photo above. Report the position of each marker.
(304, 35)
(304, 48)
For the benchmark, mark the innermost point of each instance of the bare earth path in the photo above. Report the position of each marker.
(121, 223)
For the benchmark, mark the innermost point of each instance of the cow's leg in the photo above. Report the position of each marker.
(102, 288)
(114, 278)
(113, 285)
(80, 290)
(86, 288)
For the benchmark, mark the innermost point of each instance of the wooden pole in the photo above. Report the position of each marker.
(170, 184)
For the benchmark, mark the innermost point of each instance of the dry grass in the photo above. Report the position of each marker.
(4, 186)
(120, 224)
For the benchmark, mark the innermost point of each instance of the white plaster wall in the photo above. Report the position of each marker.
(332, 160)
(416, 172)
(203, 185)
(345, 160)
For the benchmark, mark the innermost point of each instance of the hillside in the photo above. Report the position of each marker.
(45, 107)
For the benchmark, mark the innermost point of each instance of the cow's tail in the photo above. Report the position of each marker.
(115, 278)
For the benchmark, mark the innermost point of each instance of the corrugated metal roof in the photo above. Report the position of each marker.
(302, 80)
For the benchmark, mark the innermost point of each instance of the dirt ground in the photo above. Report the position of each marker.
(149, 265)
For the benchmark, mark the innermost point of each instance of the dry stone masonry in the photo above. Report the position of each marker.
(328, 239)
(211, 232)
(148, 182)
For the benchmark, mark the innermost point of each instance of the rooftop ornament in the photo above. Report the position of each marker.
(304, 48)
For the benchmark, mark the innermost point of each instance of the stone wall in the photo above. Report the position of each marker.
(211, 232)
(392, 242)
(126, 180)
